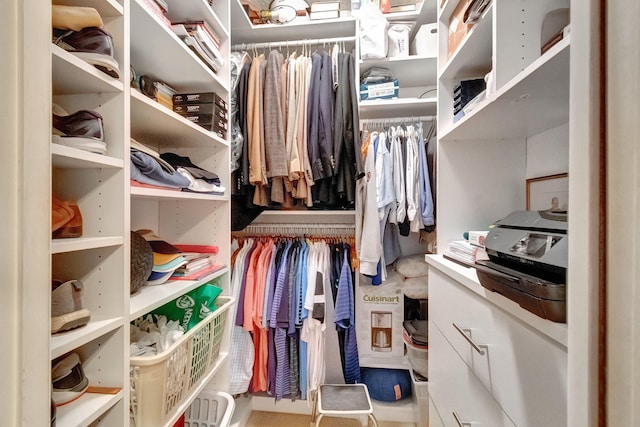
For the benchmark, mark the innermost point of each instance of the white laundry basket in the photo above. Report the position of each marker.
(160, 383)
(210, 409)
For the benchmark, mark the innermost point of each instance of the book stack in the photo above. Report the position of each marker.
(463, 252)
(164, 94)
(202, 40)
(324, 10)
(464, 92)
(206, 109)
(159, 8)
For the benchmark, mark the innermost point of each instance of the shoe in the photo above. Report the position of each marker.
(68, 379)
(61, 213)
(83, 130)
(67, 309)
(73, 227)
(74, 17)
(93, 45)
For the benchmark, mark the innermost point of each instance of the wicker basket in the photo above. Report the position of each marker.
(162, 382)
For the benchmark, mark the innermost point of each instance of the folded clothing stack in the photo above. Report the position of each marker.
(166, 258)
(170, 171)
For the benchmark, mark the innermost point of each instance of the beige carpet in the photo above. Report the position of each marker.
(277, 419)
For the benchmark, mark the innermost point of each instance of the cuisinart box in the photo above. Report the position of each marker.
(379, 317)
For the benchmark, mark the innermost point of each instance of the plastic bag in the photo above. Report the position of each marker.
(399, 40)
(192, 307)
(373, 32)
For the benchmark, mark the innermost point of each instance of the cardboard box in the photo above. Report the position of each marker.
(388, 90)
(457, 28)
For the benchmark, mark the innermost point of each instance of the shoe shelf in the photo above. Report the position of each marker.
(151, 120)
(151, 297)
(156, 51)
(72, 75)
(106, 8)
(83, 243)
(73, 158)
(63, 342)
(533, 101)
(86, 410)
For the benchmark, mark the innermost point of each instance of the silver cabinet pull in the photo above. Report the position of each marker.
(475, 346)
(459, 421)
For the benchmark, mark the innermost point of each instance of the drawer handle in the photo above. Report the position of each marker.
(459, 421)
(475, 346)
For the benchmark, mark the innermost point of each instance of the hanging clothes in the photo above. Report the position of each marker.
(296, 137)
(281, 285)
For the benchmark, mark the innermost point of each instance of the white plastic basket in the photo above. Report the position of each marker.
(418, 358)
(162, 382)
(210, 409)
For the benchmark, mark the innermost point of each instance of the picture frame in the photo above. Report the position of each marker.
(550, 192)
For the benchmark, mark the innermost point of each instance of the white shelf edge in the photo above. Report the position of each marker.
(64, 342)
(151, 297)
(86, 409)
(84, 243)
(69, 58)
(557, 332)
(154, 193)
(106, 8)
(535, 65)
(202, 383)
(445, 12)
(161, 109)
(63, 156)
(396, 59)
(396, 102)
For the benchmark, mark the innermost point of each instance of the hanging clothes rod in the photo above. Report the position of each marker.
(320, 230)
(292, 43)
(398, 119)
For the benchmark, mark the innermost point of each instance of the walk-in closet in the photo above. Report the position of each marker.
(237, 213)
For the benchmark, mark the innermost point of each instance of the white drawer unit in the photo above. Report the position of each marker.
(523, 369)
(460, 398)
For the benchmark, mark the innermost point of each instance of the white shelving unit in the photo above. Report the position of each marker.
(181, 217)
(484, 159)
(100, 257)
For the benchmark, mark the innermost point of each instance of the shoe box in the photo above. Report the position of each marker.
(206, 109)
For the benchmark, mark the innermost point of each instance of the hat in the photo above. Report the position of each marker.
(160, 259)
(170, 266)
(157, 244)
(141, 261)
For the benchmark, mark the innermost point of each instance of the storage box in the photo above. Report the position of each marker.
(210, 409)
(386, 90)
(425, 42)
(420, 391)
(457, 28)
(160, 383)
(418, 358)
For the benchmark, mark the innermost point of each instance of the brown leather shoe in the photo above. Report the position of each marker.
(73, 228)
(61, 213)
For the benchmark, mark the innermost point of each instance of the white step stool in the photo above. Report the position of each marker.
(342, 400)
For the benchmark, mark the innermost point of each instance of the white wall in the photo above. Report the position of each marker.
(548, 152)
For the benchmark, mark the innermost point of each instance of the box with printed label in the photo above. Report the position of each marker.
(388, 90)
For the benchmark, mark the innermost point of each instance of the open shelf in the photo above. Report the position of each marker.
(401, 107)
(535, 100)
(64, 342)
(412, 70)
(87, 409)
(68, 157)
(72, 75)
